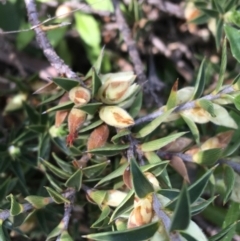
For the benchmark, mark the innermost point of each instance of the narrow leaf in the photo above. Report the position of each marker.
(37, 201)
(181, 217)
(58, 172)
(200, 82)
(192, 126)
(109, 150)
(75, 181)
(149, 128)
(233, 36)
(229, 180)
(135, 234)
(197, 188)
(222, 67)
(57, 197)
(207, 157)
(172, 99)
(66, 84)
(16, 208)
(138, 177)
(159, 143)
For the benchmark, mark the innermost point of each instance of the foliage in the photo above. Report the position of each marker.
(95, 149)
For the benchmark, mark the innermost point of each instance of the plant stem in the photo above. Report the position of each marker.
(44, 43)
(185, 106)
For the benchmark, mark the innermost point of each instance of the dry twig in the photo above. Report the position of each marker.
(45, 45)
(132, 49)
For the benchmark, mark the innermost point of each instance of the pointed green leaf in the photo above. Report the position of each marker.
(33, 115)
(109, 150)
(233, 36)
(206, 105)
(54, 183)
(97, 196)
(152, 157)
(182, 215)
(57, 197)
(16, 208)
(58, 172)
(116, 173)
(96, 82)
(65, 236)
(75, 181)
(172, 99)
(2, 235)
(193, 233)
(149, 128)
(229, 4)
(97, 65)
(237, 102)
(136, 105)
(223, 118)
(217, 4)
(219, 32)
(231, 217)
(169, 193)
(222, 234)
(197, 188)
(56, 231)
(135, 234)
(155, 168)
(95, 170)
(229, 180)
(199, 207)
(90, 108)
(159, 143)
(208, 157)
(53, 97)
(65, 83)
(67, 167)
(222, 67)
(121, 133)
(138, 177)
(37, 128)
(37, 201)
(103, 216)
(125, 206)
(192, 126)
(91, 126)
(210, 12)
(64, 106)
(200, 81)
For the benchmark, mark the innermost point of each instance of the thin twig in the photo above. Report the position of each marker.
(132, 49)
(168, 7)
(185, 106)
(44, 43)
(168, 155)
(157, 207)
(5, 214)
(68, 207)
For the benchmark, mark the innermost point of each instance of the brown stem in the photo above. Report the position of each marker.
(44, 43)
(132, 49)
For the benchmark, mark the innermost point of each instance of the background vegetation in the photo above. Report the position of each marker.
(138, 139)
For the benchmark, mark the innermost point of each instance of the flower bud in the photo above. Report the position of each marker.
(114, 198)
(63, 11)
(76, 118)
(79, 95)
(116, 116)
(142, 212)
(98, 137)
(61, 114)
(117, 88)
